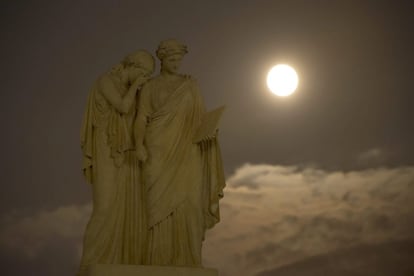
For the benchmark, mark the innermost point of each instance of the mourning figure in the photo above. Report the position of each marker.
(116, 232)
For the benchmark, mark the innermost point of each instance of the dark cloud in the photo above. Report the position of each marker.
(271, 216)
(383, 259)
(34, 237)
(47, 243)
(372, 158)
(288, 214)
(56, 257)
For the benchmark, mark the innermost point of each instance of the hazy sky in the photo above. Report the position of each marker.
(351, 116)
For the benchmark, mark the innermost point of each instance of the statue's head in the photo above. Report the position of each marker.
(171, 52)
(138, 64)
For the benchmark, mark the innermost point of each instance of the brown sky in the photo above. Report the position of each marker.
(352, 112)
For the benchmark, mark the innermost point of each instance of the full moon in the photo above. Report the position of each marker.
(282, 80)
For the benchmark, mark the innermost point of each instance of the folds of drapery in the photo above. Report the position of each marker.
(213, 181)
(178, 170)
(119, 137)
(172, 172)
(86, 136)
(176, 240)
(119, 235)
(116, 233)
(119, 134)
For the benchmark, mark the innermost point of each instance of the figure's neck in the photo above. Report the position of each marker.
(169, 75)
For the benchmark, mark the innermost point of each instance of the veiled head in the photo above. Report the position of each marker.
(141, 59)
(138, 64)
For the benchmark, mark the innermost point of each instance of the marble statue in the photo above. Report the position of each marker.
(116, 232)
(183, 176)
(151, 153)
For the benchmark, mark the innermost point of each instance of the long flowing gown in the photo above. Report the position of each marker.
(183, 180)
(116, 232)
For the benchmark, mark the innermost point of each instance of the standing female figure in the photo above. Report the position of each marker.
(183, 179)
(116, 232)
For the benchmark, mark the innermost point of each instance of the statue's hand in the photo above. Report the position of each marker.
(139, 81)
(207, 138)
(211, 136)
(142, 153)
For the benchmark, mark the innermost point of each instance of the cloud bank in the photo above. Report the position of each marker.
(272, 216)
(46, 244)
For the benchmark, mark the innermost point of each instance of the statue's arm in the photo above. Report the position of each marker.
(109, 91)
(141, 124)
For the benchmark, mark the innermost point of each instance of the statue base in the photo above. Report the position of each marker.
(146, 270)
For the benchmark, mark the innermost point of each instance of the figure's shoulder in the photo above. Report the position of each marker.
(159, 80)
(194, 83)
(191, 80)
(105, 83)
(151, 86)
(105, 79)
(113, 74)
(151, 83)
(153, 80)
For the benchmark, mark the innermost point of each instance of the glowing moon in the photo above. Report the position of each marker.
(282, 80)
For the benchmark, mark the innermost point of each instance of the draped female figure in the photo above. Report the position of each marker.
(183, 179)
(116, 232)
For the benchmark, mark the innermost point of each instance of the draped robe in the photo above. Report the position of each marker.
(116, 231)
(183, 180)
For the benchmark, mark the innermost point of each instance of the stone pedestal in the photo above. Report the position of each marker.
(143, 270)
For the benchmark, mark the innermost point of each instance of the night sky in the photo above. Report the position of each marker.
(318, 182)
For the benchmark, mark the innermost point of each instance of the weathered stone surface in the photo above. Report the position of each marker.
(141, 270)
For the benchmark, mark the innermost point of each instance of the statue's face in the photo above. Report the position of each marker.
(171, 63)
(137, 71)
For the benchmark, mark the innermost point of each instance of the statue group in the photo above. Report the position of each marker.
(151, 155)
